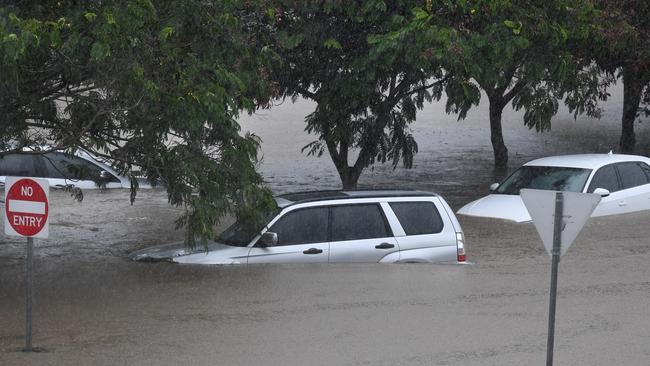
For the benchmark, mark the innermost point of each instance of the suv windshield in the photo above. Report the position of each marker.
(545, 177)
(241, 233)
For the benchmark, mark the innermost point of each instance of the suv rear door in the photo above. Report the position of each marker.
(428, 234)
(360, 233)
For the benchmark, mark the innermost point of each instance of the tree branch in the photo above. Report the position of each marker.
(425, 87)
(521, 84)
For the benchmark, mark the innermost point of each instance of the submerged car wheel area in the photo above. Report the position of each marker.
(334, 227)
(623, 181)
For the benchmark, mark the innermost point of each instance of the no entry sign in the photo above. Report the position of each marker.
(26, 207)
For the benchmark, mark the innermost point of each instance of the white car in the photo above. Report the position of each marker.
(623, 181)
(335, 226)
(82, 170)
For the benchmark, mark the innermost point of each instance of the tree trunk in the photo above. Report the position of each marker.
(496, 133)
(349, 174)
(349, 177)
(632, 89)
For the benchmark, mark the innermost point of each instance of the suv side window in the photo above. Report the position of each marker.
(302, 226)
(359, 221)
(418, 218)
(631, 174)
(605, 178)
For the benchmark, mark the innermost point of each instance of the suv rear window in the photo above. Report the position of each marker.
(358, 222)
(418, 218)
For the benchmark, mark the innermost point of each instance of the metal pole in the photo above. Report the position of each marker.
(28, 294)
(557, 237)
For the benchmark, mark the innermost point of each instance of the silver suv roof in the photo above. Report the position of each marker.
(287, 199)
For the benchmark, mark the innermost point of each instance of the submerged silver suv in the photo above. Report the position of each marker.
(383, 226)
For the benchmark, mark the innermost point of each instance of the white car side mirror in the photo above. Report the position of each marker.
(494, 186)
(601, 192)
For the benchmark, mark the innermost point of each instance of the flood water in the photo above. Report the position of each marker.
(455, 157)
(93, 306)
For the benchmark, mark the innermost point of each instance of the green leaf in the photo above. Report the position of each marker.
(11, 37)
(420, 14)
(515, 26)
(166, 33)
(90, 16)
(110, 19)
(55, 38)
(14, 19)
(290, 41)
(374, 38)
(271, 14)
(100, 51)
(332, 43)
(394, 35)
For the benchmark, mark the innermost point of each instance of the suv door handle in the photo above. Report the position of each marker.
(313, 251)
(622, 203)
(385, 246)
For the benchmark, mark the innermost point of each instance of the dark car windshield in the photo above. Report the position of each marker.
(545, 177)
(241, 233)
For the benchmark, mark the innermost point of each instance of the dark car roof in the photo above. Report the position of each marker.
(311, 196)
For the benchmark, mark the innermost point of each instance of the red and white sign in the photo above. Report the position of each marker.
(26, 207)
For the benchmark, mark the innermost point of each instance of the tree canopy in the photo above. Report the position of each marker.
(349, 56)
(366, 76)
(514, 51)
(156, 84)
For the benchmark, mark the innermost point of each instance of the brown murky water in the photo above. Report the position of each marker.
(92, 306)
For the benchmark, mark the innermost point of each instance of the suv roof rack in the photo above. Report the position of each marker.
(326, 195)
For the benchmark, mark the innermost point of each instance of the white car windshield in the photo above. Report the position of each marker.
(545, 177)
(241, 233)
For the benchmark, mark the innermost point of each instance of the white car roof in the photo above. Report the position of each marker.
(585, 161)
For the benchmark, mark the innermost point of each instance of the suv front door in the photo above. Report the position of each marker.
(360, 233)
(302, 238)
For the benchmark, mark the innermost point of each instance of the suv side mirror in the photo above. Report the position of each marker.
(105, 175)
(601, 192)
(268, 239)
(494, 186)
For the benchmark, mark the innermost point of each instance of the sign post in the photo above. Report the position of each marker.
(555, 261)
(29, 283)
(558, 218)
(26, 215)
